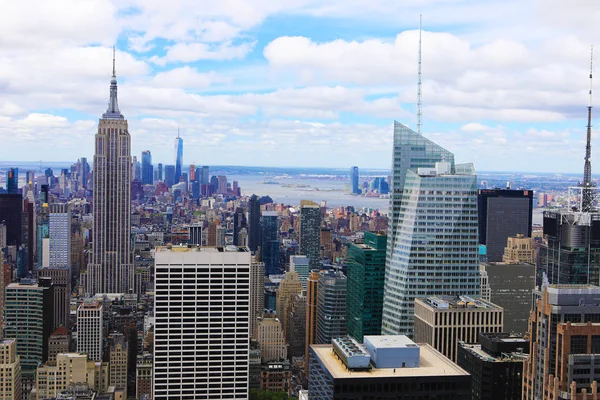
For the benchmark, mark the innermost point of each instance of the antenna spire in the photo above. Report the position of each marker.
(114, 69)
(587, 192)
(419, 99)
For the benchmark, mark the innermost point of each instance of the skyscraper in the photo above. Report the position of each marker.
(354, 180)
(310, 234)
(331, 306)
(85, 172)
(239, 222)
(312, 303)
(160, 171)
(147, 168)
(503, 213)
(178, 158)
(269, 251)
(11, 208)
(201, 351)
(170, 175)
(10, 370)
(366, 274)
(111, 269)
(12, 181)
(59, 226)
(90, 329)
(435, 248)
(254, 223)
(257, 294)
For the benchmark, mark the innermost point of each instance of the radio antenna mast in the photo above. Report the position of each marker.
(419, 99)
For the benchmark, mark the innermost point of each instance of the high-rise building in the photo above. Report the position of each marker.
(435, 250)
(239, 222)
(147, 168)
(143, 376)
(564, 332)
(331, 306)
(85, 172)
(510, 287)
(301, 264)
(295, 335)
(118, 362)
(12, 181)
(28, 318)
(178, 158)
(61, 285)
(59, 342)
(111, 268)
(312, 313)
(90, 329)
(257, 294)
(269, 333)
(366, 275)
(385, 367)
(354, 180)
(59, 225)
(289, 286)
(269, 249)
(204, 179)
(519, 249)
(170, 175)
(160, 172)
(201, 352)
(69, 371)
(503, 213)
(496, 365)
(310, 234)
(253, 223)
(11, 209)
(10, 371)
(442, 322)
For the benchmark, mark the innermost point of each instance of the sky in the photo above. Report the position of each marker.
(301, 82)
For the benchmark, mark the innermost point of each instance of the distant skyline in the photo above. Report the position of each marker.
(302, 83)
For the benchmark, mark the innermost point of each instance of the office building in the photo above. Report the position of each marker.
(118, 363)
(257, 294)
(519, 249)
(143, 374)
(28, 319)
(269, 333)
(11, 209)
(59, 342)
(111, 267)
(12, 181)
(201, 351)
(385, 367)
(444, 321)
(503, 213)
(253, 223)
(195, 232)
(147, 168)
(310, 234)
(312, 313)
(69, 371)
(239, 223)
(90, 329)
(331, 306)
(354, 180)
(289, 286)
(295, 334)
(178, 158)
(366, 275)
(435, 250)
(61, 284)
(564, 331)
(276, 376)
(495, 365)
(301, 265)
(269, 251)
(510, 287)
(25, 264)
(170, 175)
(10, 371)
(160, 172)
(59, 226)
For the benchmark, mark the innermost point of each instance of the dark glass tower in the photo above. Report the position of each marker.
(11, 209)
(270, 242)
(354, 180)
(239, 222)
(310, 234)
(12, 181)
(253, 223)
(503, 213)
(147, 168)
(170, 175)
(178, 158)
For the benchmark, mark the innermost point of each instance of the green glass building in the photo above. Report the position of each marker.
(366, 275)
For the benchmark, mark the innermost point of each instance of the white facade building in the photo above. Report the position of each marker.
(202, 301)
(59, 225)
(89, 329)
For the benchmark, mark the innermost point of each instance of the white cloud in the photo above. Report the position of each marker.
(190, 52)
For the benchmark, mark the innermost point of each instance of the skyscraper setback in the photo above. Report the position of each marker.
(111, 268)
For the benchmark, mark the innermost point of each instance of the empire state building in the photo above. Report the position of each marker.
(111, 269)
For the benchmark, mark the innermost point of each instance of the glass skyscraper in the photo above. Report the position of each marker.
(310, 234)
(147, 168)
(433, 239)
(270, 242)
(12, 181)
(354, 179)
(178, 158)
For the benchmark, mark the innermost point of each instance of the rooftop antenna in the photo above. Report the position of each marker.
(419, 100)
(177, 131)
(587, 193)
(114, 70)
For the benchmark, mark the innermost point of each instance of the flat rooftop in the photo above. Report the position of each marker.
(476, 350)
(433, 363)
(203, 249)
(390, 341)
(458, 303)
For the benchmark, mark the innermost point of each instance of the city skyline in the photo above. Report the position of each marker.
(262, 77)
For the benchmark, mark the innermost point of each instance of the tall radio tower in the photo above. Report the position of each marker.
(587, 191)
(419, 100)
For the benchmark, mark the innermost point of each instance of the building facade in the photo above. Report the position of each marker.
(519, 249)
(301, 265)
(310, 234)
(257, 294)
(201, 350)
(178, 158)
(10, 371)
(271, 339)
(147, 168)
(331, 306)
(312, 313)
(435, 250)
(354, 180)
(366, 275)
(111, 269)
(254, 223)
(442, 322)
(269, 249)
(90, 329)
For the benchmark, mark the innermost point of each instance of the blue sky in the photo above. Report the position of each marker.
(300, 82)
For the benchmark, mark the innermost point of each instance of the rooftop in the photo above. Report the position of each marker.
(433, 363)
(458, 302)
(476, 350)
(204, 249)
(390, 341)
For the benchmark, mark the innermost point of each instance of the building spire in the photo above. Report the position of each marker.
(113, 104)
(419, 100)
(587, 191)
